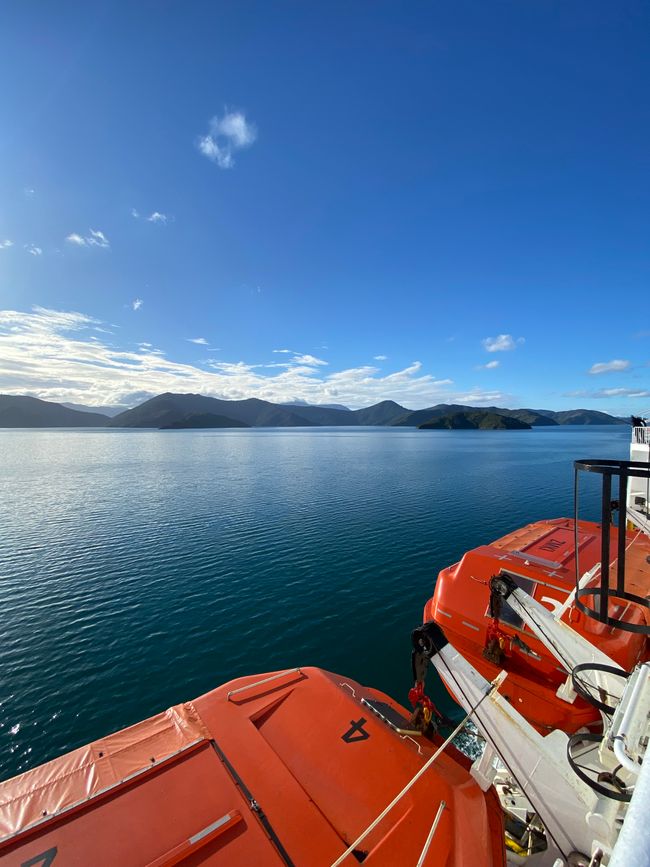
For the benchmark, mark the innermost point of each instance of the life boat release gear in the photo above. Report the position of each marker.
(425, 717)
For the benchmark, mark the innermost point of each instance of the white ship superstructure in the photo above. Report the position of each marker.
(638, 502)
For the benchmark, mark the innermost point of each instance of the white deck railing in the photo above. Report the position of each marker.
(641, 435)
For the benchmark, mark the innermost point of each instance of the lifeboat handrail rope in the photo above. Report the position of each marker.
(485, 727)
(425, 767)
(479, 580)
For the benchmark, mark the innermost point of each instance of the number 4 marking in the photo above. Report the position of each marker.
(42, 860)
(356, 732)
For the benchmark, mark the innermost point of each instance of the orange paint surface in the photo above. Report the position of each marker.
(543, 553)
(284, 772)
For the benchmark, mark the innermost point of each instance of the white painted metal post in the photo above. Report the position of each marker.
(633, 844)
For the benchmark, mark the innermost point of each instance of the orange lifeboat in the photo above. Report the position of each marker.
(541, 559)
(288, 769)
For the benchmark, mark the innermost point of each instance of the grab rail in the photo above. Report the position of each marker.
(609, 469)
(264, 680)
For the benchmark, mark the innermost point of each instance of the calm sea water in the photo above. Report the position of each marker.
(139, 569)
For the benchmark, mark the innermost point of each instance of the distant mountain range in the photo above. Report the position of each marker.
(165, 409)
(109, 411)
(533, 417)
(195, 410)
(323, 405)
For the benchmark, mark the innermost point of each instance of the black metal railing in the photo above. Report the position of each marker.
(601, 594)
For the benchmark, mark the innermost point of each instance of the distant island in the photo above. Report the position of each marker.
(185, 411)
(474, 420)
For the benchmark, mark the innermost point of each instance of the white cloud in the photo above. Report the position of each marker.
(479, 397)
(502, 343)
(200, 340)
(309, 360)
(284, 351)
(33, 249)
(29, 191)
(5, 244)
(50, 354)
(381, 358)
(610, 392)
(617, 364)
(155, 217)
(489, 366)
(137, 303)
(226, 135)
(235, 127)
(95, 238)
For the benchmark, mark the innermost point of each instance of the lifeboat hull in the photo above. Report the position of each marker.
(541, 559)
(284, 769)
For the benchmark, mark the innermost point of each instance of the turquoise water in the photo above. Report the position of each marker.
(139, 569)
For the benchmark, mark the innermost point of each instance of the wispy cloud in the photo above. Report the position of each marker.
(94, 238)
(137, 303)
(610, 392)
(200, 340)
(380, 358)
(4, 245)
(154, 217)
(33, 249)
(489, 366)
(480, 397)
(298, 359)
(51, 354)
(97, 239)
(227, 135)
(502, 343)
(29, 192)
(617, 364)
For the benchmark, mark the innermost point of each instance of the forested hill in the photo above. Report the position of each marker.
(23, 411)
(478, 419)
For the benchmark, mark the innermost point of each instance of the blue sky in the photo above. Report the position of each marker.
(422, 201)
